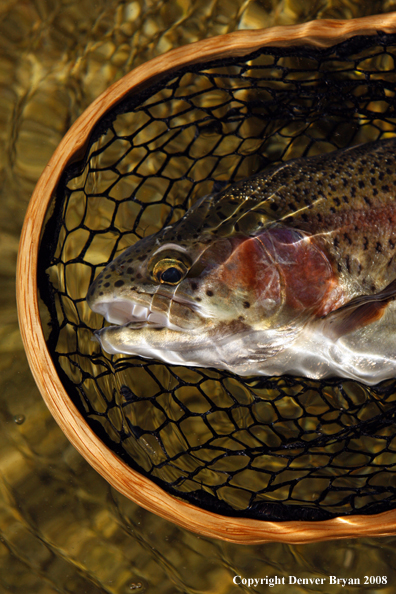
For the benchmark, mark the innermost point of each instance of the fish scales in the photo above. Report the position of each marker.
(289, 271)
(349, 194)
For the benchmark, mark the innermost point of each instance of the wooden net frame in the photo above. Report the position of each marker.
(318, 34)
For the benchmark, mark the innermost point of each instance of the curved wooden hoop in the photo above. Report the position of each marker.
(317, 34)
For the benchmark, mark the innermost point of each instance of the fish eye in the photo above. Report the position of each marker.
(169, 271)
(171, 275)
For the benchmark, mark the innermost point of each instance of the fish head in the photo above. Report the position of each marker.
(212, 291)
(203, 282)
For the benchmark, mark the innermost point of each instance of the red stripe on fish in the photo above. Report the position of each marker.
(307, 276)
(283, 264)
(250, 269)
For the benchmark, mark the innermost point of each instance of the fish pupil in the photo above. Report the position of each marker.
(171, 275)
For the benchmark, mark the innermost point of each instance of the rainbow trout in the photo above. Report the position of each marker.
(292, 270)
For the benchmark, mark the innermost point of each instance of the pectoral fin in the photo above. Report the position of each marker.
(358, 312)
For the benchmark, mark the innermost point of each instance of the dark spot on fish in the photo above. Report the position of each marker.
(246, 304)
(348, 264)
(336, 242)
(106, 285)
(378, 247)
(361, 184)
(274, 206)
(359, 268)
(345, 199)
(353, 191)
(373, 181)
(241, 318)
(332, 188)
(198, 299)
(332, 175)
(130, 270)
(375, 191)
(209, 293)
(236, 227)
(101, 293)
(339, 267)
(141, 258)
(112, 267)
(360, 170)
(381, 175)
(385, 188)
(108, 276)
(333, 210)
(345, 181)
(119, 283)
(138, 275)
(337, 201)
(367, 200)
(194, 286)
(388, 171)
(304, 217)
(179, 237)
(365, 243)
(391, 243)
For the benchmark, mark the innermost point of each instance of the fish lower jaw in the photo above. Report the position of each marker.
(125, 313)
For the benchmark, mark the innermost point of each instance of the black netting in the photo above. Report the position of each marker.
(273, 448)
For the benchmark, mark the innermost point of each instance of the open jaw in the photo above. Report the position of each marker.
(122, 312)
(134, 331)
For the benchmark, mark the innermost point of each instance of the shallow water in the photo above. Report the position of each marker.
(63, 529)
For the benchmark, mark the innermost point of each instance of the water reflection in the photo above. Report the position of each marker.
(62, 529)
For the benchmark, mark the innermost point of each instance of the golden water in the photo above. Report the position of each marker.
(62, 528)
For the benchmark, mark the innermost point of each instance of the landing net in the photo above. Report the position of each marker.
(268, 448)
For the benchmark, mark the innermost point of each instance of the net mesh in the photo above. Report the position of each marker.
(268, 448)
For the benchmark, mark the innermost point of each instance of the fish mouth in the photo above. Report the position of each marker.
(125, 312)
